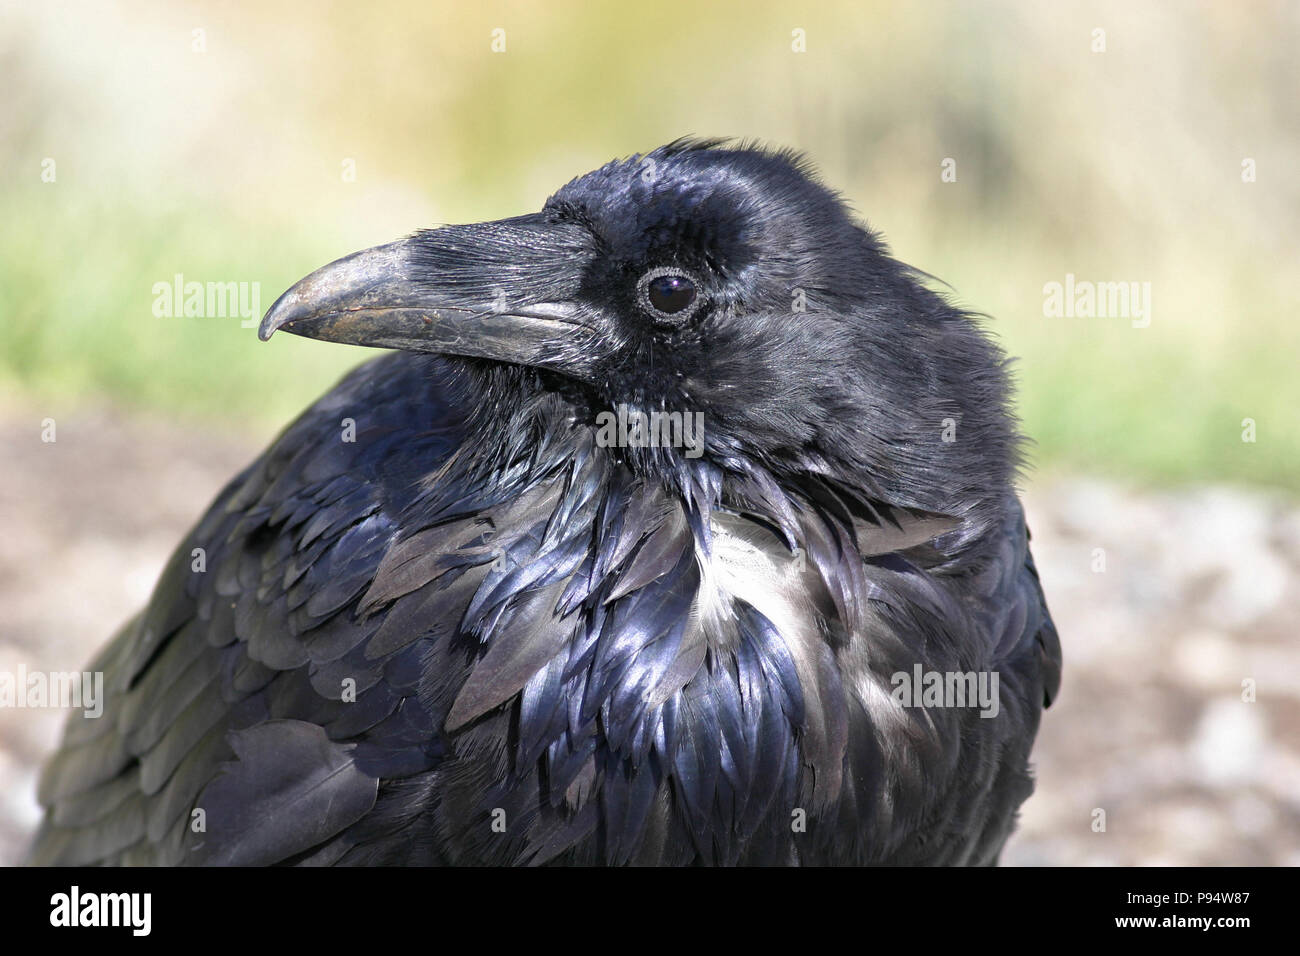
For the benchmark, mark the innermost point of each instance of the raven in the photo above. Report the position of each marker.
(680, 528)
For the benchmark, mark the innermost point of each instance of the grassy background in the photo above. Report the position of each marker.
(225, 165)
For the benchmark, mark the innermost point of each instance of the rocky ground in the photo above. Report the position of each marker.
(1166, 602)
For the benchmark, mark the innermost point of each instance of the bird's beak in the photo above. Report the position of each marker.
(449, 291)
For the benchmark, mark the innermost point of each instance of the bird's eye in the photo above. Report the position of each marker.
(669, 293)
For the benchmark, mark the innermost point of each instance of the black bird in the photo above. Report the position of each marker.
(454, 615)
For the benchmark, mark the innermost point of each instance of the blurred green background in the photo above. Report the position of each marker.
(221, 155)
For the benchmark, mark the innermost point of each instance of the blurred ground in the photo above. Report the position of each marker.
(1198, 592)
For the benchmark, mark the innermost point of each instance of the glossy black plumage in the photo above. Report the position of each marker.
(563, 652)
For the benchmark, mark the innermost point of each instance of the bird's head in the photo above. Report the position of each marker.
(725, 284)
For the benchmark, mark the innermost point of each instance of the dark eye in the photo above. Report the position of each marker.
(671, 293)
(668, 293)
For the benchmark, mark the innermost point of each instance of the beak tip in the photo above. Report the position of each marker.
(277, 317)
